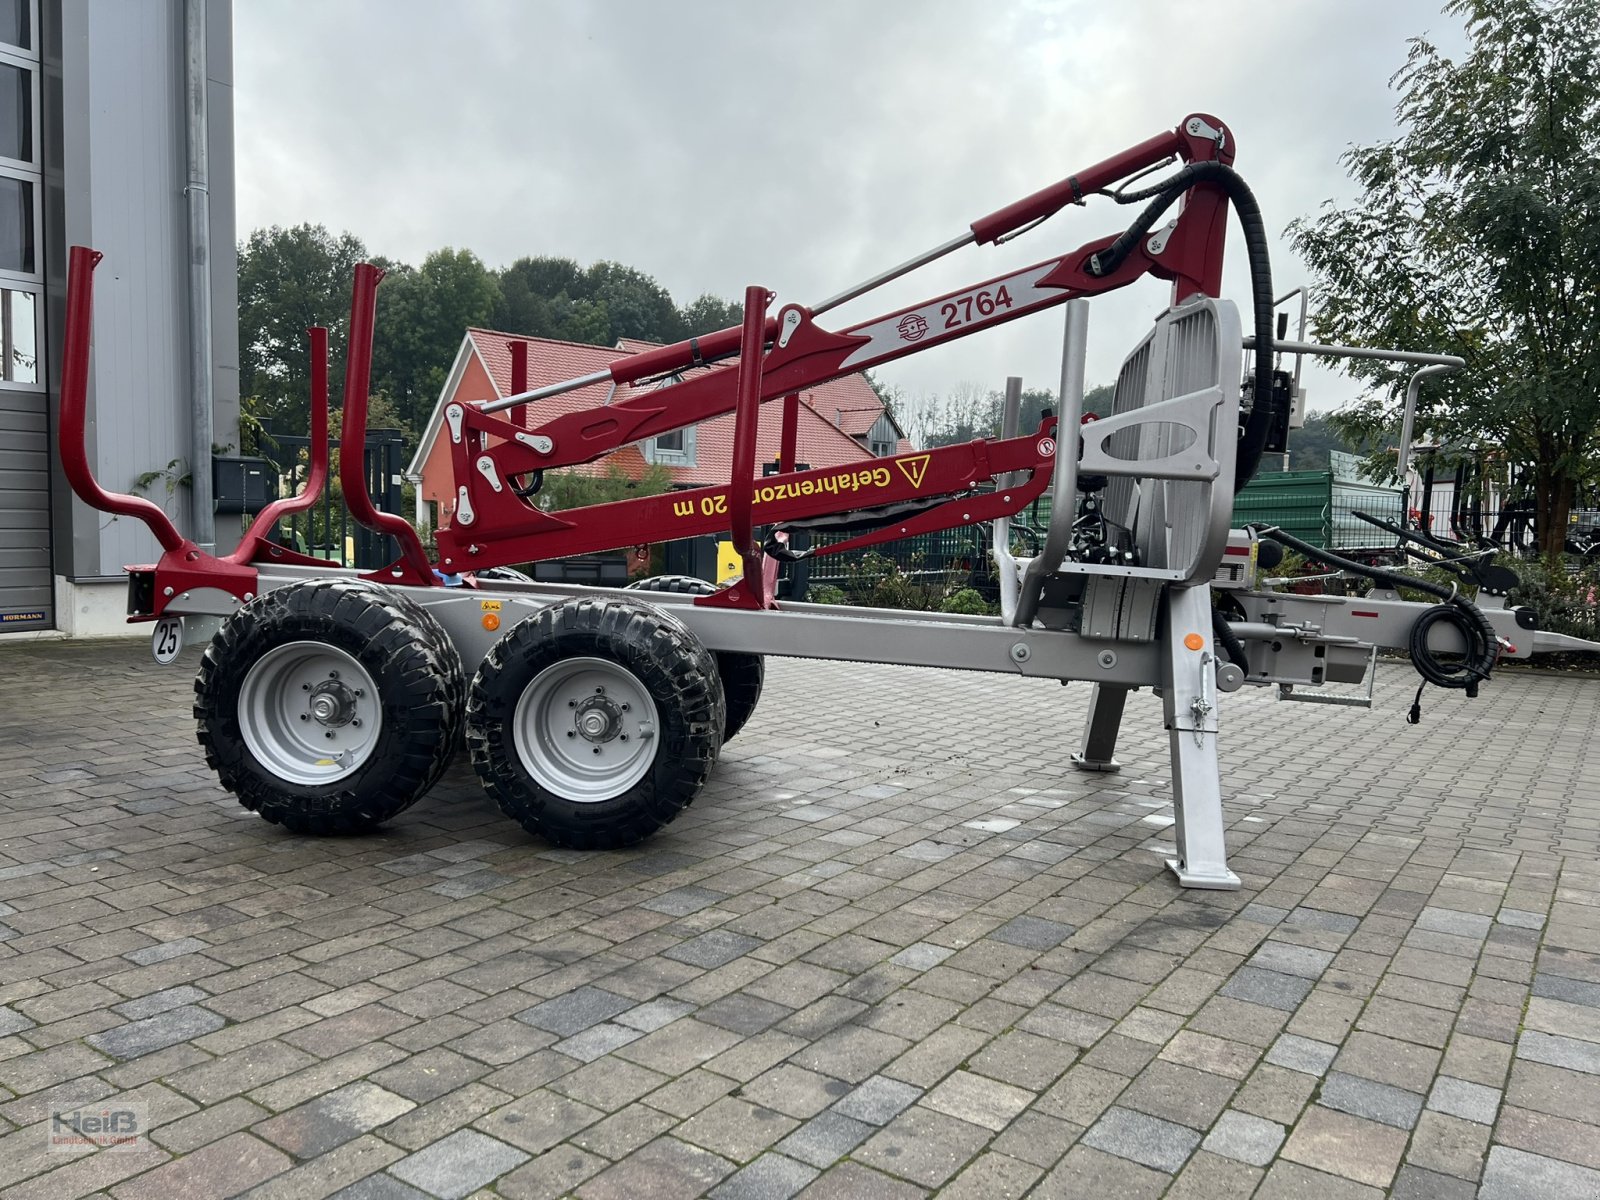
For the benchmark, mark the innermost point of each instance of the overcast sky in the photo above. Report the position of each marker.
(803, 146)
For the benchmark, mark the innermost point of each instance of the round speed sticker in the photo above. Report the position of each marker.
(167, 639)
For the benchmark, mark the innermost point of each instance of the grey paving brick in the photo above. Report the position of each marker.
(157, 1032)
(1245, 1138)
(162, 951)
(1517, 1175)
(1414, 1183)
(1460, 924)
(1146, 1140)
(331, 1120)
(877, 1100)
(656, 1014)
(1270, 988)
(826, 1138)
(680, 902)
(1291, 960)
(664, 1169)
(472, 884)
(458, 1165)
(744, 1013)
(1002, 966)
(158, 1002)
(770, 1177)
(923, 956)
(1464, 1099)
(1520, 918)
(575, 1011)
(1569, 1053)
(1262, 914)
(1375, 1101)
(1033, 933)
(1346, 1146)
(1332, 922)
(714, 949)
(1572, 991)
(597, 1041)
(379, 1187)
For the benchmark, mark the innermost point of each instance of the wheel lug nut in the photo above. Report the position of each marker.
(600, 691)
(305, 716)
(572, 733)
(305, 687)
(333, 674)
(624, 708)
(330, 733)
(356, 721)
(624, 737)
(572, 704)
(597, 749)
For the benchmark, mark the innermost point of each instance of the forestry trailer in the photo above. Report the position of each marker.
(329, 700)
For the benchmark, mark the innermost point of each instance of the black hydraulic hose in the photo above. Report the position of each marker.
(1482, 642)
(1253, 440)
(1230, 640)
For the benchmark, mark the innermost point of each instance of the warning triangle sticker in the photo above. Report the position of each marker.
(914, 469)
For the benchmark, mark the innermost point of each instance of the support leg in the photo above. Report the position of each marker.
(1189, 694)
(1100, 732)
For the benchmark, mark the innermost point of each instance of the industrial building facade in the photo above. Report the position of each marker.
(95, 149)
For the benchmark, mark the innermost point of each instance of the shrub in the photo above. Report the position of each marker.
(965, 600)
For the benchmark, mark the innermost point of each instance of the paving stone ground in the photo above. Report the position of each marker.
(897, 948)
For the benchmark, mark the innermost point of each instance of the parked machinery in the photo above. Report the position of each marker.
(330, 701)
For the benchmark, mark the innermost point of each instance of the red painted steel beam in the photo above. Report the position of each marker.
(789, 435)
(524, 534)
(413, 565)
(81, 262)
(746, 420)
(519, 367)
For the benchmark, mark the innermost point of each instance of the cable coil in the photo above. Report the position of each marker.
(1483, 645)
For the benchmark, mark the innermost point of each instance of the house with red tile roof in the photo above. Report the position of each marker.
(841, 421)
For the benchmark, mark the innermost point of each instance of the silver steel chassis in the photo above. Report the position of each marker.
(1168, 448)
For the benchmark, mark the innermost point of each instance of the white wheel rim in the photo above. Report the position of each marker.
(586, 729)
(309, 713)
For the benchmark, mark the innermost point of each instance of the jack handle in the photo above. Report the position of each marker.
(317, 477)
(352, 443)
(74, 406)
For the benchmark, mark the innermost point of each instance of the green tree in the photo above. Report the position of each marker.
(290, 279)
(1309, 446)
(709, 313)
(534, 294)
(423, 313)
(635, 304)
(1475, 234)
(577, 488)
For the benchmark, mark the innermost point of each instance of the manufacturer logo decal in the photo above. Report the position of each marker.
(912, 327)
(914, 469)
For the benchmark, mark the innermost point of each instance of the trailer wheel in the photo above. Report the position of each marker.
(742, 674)
(593, 723)
(329, 706)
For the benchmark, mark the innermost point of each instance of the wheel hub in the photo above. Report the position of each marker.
(332, 704)
(598, 719)
(308, 712)
(585, 727)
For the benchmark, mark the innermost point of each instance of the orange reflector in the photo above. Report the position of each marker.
(491, 621)
(1194, 641)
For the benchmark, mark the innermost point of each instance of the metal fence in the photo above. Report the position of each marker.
(327, 530)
